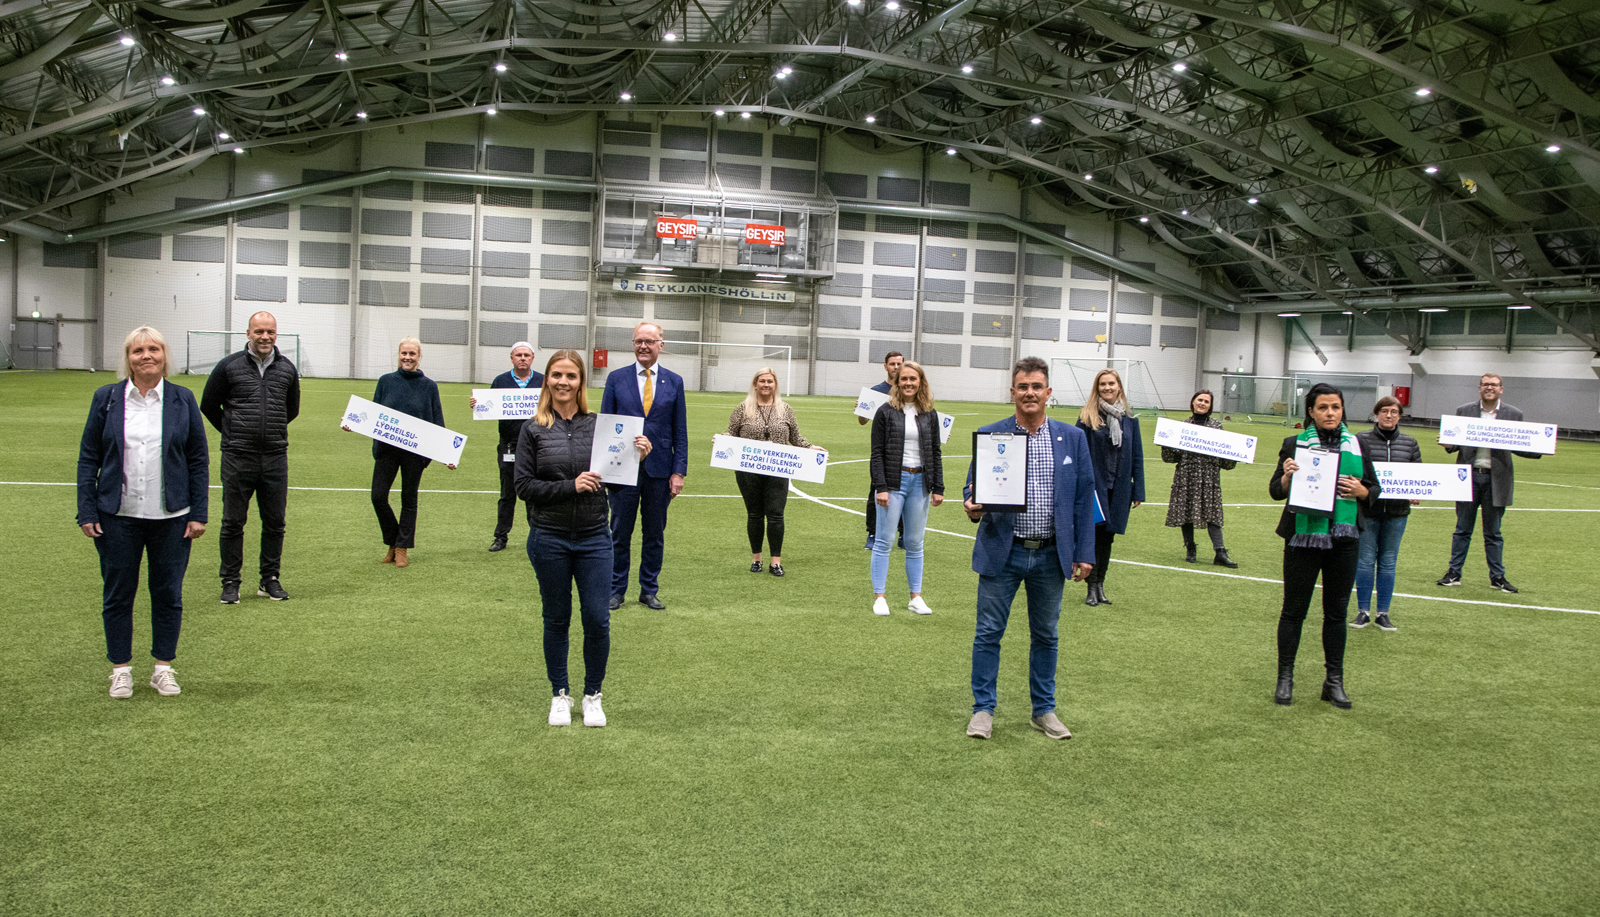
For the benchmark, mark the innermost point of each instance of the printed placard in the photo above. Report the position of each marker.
(677, 228)
(702, 288)
(1191, 437)
(1315, 485)
(505, 403)
(1484, 433)
(771, 459)
(946, 424)
(762, 234)
(868, 402)
(413, 434)
(1416, 481)
(613, 455)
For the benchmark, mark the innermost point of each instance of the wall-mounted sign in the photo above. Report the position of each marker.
(676, 228)
(762, 234)
(679, 288)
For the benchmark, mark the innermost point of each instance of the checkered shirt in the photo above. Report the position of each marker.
(1039, 520)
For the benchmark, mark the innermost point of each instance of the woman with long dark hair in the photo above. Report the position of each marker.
(1197, 487)
(907, 479)
(1118, 453)
(573, 539)
(1385, 519)
(765, 416)
(1317, 546)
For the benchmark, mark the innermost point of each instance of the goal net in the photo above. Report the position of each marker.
(1073, 380)
(203, 350)
(730, 367)
(1282, 398)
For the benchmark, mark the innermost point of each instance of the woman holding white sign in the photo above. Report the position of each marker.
(407, 391)
(1318, 541)
(1197, 487)
(574, 539)
(765, 416)
(1385, 519)
(1118, 451)
(907, 479)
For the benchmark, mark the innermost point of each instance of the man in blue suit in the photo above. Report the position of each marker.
(656, 394)
(1055, 534)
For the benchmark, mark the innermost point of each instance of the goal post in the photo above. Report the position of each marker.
(203, 350)
(1072, 381)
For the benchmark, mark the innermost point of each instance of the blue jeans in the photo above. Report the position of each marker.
(123, 544)
(1380, 548)
(648, 502)
(909, 507)
(558, 562)
(1041, 569)
(1466, 521)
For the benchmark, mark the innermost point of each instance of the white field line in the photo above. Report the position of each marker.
(353, 490)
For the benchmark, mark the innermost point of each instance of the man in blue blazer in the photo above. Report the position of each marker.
(646, 390)
(1054, 535)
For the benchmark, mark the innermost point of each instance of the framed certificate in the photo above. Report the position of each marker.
(1314, 487)
(1000, 472)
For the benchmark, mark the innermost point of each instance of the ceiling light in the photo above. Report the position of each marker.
(127, 41)
(361, 113)
(1180, 66)
(198, 111)
(1088, 176)
(1432, 170)
(626, 95)
(1288, 315)
(341, 55)
(780, 75)
(872, 119)
(224, 135)
(892, 5)
(500, 67)
(1255, 200)
(719, 112)
(1144, 219)
(745, 115)
(966, 68)
(491, 110)
(238, 149)
(1424, 92)
(1347, 313)
(657, 270)
(1035, 120)
(778, 276)
(1553, 148)
(1184, 212)
(949, 151)
(670, 36)
(787, 70)
(168, 81)
(1433, 310)
(1518, 308)
(853, 2)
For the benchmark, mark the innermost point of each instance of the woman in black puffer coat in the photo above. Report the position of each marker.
(1385, 518)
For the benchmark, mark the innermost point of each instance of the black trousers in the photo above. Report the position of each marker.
(402, 532)
(266, 478)
(764, 499)
(1215, 531)
(1103, 536)
(507, 507)
(1301, 567)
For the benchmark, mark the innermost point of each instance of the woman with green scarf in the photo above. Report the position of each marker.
(1316, 545)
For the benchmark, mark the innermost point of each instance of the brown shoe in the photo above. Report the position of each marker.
(400, 558)
(388, 557)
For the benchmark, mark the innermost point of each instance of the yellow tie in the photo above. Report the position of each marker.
(649, 393)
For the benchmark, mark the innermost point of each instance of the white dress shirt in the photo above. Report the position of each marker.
(655, 379)
(1484, 461)
(141, 454)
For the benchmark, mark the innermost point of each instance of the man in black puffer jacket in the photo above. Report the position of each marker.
(250, 398)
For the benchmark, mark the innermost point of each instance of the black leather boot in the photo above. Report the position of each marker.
(1092, 597)
(1100, 593)
(1223, 560)
(1333, 688)
(1284, 695)
(1188, 551)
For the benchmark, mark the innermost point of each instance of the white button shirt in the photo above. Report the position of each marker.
(655, 379)
(141, 454)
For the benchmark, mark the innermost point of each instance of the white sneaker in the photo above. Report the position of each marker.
(880, 607)
(163, 681)
(121, 682)
(561, 709)
(919, 606)
(592, 714)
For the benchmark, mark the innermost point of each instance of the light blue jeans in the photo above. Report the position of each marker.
(908, 507)
(1380, 548)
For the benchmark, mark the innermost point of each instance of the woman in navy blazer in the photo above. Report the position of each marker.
(143, 477)
(1118, 453)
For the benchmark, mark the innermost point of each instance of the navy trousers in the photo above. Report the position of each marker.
(649, 502)
(123, 544)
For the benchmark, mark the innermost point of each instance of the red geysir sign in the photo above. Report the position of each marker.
(759, 234)
(676, 228)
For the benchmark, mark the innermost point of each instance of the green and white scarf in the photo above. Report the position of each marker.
(1315, 531)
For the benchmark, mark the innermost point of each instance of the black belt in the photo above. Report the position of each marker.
(1481, 471)
(1033, 543)
(916, 470)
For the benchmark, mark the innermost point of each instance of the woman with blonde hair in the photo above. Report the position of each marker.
(907, 478)
(1118, 453)
(573, 537)
(765, 416)
(143, 476)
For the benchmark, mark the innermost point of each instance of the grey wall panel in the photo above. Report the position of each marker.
(944, 258)
(446, 226)
(981, 357)
(1132, 335)
(838, 315)
(506, 264)
(683, 137)
(894, 254)
(563, 302)
(257, 288)
(617, 338)
(628, 135)
(842, 285)
(799, 345)
(992, 232)
(501, 334)
(324, 219)
(1178, 336)
(1487, 321)
(508, 197)
(1566, 402)
(563, 162)
(793, 314)
(733, 174)
(943, 289)
(794, 146)
(499, 158)
(385, 222)
(853, 222)
(324, 290)
(1133, 302)
(271, 216)
(993, 293)
(564, 232)
(1452, 322)
(184, 248)
(677, 309)
(1332, 325)
(1086, 270)
(899, 226)
(1054, 229)
(395, 258)
(1217, 320)
(447, 193)
(992, 324)
(442, 330)
(263, 251)
(685, 171)
(740, 143)
(1081, 300)
(892, 319)
(451, 156)
(839, 350)
(937, 353)
(394, 190)
(877, 347)
(798, 181)
(457, 296)
(143, 246)
(849, 251)
(307, 176)
(620, 307)
(887, 286)
(564, 267)
(846, 184)
(1041, 297)
(1085, 330)
(1038, 328)
(934, 322)
(574, 201)
(908, 190)
(996, 262)
(1036, 265)
(325, 254)
(510, 229)
(949, 229)
(560, 337)
(1173, 306)
(503, 299)
(626, 168)
(385, 293)
(741, 313)
(949, 194)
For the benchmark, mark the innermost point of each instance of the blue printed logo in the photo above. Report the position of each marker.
(821, 457)
(1461, 473)
(1000, 448)
(1249, 442)
(1315, 462)
(619, 428)
(481, 407)
(1549, 431)
(456, 443)
(949, 420)
(353, 417)
(723, 454)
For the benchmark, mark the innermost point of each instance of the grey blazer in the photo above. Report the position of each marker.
(1502, 480)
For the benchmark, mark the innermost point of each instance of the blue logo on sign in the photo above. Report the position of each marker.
(353, 417)
(1315, 462)
(1249, 442)
(1549, 431)
(723, 454)
(481, 408)
(821, 458)
(456, 444)
(1000, 448)
(1461, 473)
(619, 428)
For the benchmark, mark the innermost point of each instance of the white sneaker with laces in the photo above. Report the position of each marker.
(592, 714)
(919, 606)
(121, 682)
(880, 606)
(165, 683)
(561, 709)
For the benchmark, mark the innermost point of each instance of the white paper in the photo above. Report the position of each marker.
(868, 402)
(1416, 481)
(999, 470)
(946, 424)
(1211, 441)
(1483, 433)
(613, 454)
(1316, 484)
(413, 434)
(771, 459)
(505, 403)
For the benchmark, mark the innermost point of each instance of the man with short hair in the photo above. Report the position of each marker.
(892, 362)
(521, 375)
(251, 398)
(1055, 534)
(645, 389)
(1493, 481)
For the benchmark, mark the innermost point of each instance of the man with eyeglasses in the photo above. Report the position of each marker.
(646, 390)
(1492, 483)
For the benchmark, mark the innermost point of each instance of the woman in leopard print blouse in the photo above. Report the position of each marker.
(765, 416)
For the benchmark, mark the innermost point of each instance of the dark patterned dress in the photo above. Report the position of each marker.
(1196, 484)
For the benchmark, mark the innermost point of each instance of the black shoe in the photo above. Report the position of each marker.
(1284, 695)
(1502, 584)
(1189, 551)
(777, 569)
(616, 602)
(755, 566)
(230, 593)
(1383, 622)
(499, 544)
(1333, 689)
(1362, 620)
(1450, 578)
(1092, 597)
(1100, 593)
(1223, 560)
(273, 590)
(650, 601)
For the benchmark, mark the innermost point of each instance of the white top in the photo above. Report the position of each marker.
(141, 454)
(1484, 459)
(911, 457)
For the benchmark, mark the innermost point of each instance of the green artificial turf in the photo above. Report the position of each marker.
(378, 743)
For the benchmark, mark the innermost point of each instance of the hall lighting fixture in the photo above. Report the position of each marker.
(1144, 219)
(872, 119)
(1088, 176)
(780, 75)
(1035, 120)
(853, 2)
(127, 41)
(1255, 200)
(1553, 148)
(949, 151)
(657, 270)
(745, 115)
(224, 135)
(626, 96)
(787, 70)
(778, 276)
(1424, 92)
(1180, 67)
(198, 111)
(361, 113)
(500, 67)
(341, 55)
(1347, 312)
(168, 81)
(719, 112)
(238, 149)
(1518, 308)
(1432, 170)
(1184, 212)
(1433, 310)
(491, 110)
(966, 68)
(892, 5)
(670, 36)
(1288, 315)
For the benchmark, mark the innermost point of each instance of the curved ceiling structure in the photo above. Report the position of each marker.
(1330, 150)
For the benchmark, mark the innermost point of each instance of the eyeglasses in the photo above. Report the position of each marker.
(640, 342)
(1490, 385)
